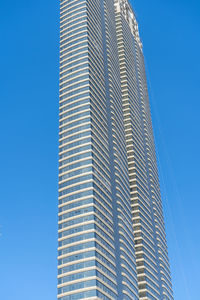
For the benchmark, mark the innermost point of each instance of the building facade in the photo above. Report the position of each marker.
(111, 236)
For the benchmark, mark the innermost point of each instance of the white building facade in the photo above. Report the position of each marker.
(111, 242)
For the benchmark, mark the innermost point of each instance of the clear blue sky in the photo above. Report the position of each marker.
(29, 129)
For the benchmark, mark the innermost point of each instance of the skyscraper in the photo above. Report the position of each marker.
(111, 233)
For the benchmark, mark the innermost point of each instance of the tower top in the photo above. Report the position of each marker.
(125, 8)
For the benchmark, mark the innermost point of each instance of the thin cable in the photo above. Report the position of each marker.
(171, 176)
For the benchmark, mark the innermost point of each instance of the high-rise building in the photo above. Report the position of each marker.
(111, 242)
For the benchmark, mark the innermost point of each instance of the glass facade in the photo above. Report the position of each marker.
(153, 273)
(111, 238)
